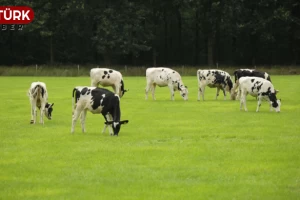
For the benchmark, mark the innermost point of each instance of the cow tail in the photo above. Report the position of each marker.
(35, 90)
(74, 100)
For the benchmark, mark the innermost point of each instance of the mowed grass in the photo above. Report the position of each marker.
(168, 150)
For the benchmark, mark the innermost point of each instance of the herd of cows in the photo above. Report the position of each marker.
(102, 101)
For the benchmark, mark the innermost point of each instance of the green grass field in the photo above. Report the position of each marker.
(168, 150)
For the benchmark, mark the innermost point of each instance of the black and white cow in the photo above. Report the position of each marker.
(108, 77)
(38, 96)
(162, 77)
(260, 88)
(213, 78)
(97, 101)
(246, 72)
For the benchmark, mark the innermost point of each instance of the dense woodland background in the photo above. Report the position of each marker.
(156, 32)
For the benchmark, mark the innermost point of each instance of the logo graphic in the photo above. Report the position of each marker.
(14, 17)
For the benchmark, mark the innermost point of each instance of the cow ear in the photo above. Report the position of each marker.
(124, 122)
(185, 86)
(52, 105)
(276, 91)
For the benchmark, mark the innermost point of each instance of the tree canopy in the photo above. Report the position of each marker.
(154, 32)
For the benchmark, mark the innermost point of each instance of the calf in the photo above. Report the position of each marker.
(162, 77)
(97, 101)
(108, 77)
(38, 96)
(260, 88)
(246, 72)
(213, 78)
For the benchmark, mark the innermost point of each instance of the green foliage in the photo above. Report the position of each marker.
(168, 150)
(171, 32)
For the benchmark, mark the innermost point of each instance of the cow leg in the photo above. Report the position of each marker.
(238, 95)
(224, 92)
(243, 101)
(217, 94)
(94, 83)
(42, 112)
(116, 89)
(171, 87)
(153, 91)
(75, 117)
(109, 118)
(148, 87)
(33, 112)
(258, 103)
(105, 125)
(202, 90)
(82, 120)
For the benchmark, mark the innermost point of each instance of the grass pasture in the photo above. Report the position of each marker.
(168, 150)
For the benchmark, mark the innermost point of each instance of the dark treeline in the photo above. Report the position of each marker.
(156, 32)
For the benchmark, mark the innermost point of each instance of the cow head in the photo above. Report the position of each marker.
(122, 92)
(122, 89)
(183, 91)
(49, 110)
(276, 105)
(116, 125)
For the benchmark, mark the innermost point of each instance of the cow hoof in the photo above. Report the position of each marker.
(31, 122)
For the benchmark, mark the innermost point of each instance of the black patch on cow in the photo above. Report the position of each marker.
(105, 72)
(103, 76)
(162, 69)
(219, 79)
(254, 73)
(252, 80)
(84, 91)
(229, 83)
(88, 92)
(110, 71)
(108, 76)
(259, 86)
(122, 87)
(208, 73)
(173, 72)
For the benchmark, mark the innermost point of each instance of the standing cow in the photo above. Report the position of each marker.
(38, 96)
(97, 101)
(108, 77)
(260, 88)
(162, 77)
(213, 78)
(246, 72)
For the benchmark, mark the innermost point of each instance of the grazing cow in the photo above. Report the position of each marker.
(260, 88)
(97, 101)
(246, 72)
(213, 78)
(162, 77)
(108, 77)
(38, 96)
